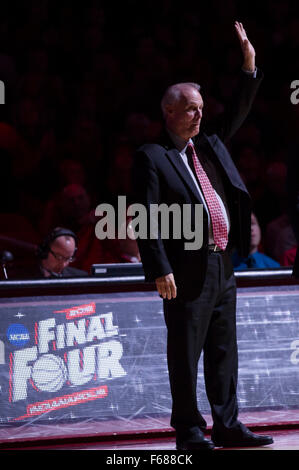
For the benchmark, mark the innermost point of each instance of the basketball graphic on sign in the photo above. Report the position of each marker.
(49, 373)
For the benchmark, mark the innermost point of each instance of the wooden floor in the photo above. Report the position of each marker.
(138, 435)
(286, 439)
(283, 440)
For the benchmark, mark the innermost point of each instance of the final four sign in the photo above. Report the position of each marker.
(103, 356)
(73, 357)
(87, 355)
(66, 354)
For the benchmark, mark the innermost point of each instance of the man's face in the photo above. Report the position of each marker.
(255, 233)
(60, 254)
(183, 117)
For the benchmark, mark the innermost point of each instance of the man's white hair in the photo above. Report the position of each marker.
(174, 93)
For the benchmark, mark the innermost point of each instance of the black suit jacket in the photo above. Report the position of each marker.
(295, 271)
(292, 187)
(160, 176)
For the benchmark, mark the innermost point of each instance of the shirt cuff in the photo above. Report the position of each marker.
(248, 72)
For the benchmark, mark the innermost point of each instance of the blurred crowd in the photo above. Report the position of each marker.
(82, 91)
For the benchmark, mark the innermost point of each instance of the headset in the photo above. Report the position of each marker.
(44, 248)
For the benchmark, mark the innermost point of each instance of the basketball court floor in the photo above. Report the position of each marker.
(152, 434)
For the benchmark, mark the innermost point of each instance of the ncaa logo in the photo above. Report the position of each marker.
(17, 334)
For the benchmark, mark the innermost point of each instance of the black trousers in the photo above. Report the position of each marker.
(208, 324)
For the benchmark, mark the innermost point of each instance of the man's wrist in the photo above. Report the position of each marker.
(250, 71)
(249, 66)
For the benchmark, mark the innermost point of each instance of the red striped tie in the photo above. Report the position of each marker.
(216, 214)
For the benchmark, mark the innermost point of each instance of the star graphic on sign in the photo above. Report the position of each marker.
(19, 315)
(112, 407)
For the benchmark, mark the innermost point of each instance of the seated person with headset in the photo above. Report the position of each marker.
(54, 255)
(56, 252)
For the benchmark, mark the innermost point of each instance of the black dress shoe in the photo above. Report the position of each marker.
(203, 444)
(244, 439)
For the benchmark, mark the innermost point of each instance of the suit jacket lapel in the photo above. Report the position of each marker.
(176, 160)
(224, 158)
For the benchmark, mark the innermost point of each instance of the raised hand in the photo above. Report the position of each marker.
(247, 48)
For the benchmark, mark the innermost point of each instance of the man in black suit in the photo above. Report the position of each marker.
(292, 186)
(198, 285)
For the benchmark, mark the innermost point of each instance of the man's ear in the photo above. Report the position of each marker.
(169, 109)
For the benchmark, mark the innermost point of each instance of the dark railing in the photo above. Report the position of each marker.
(127, 277)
